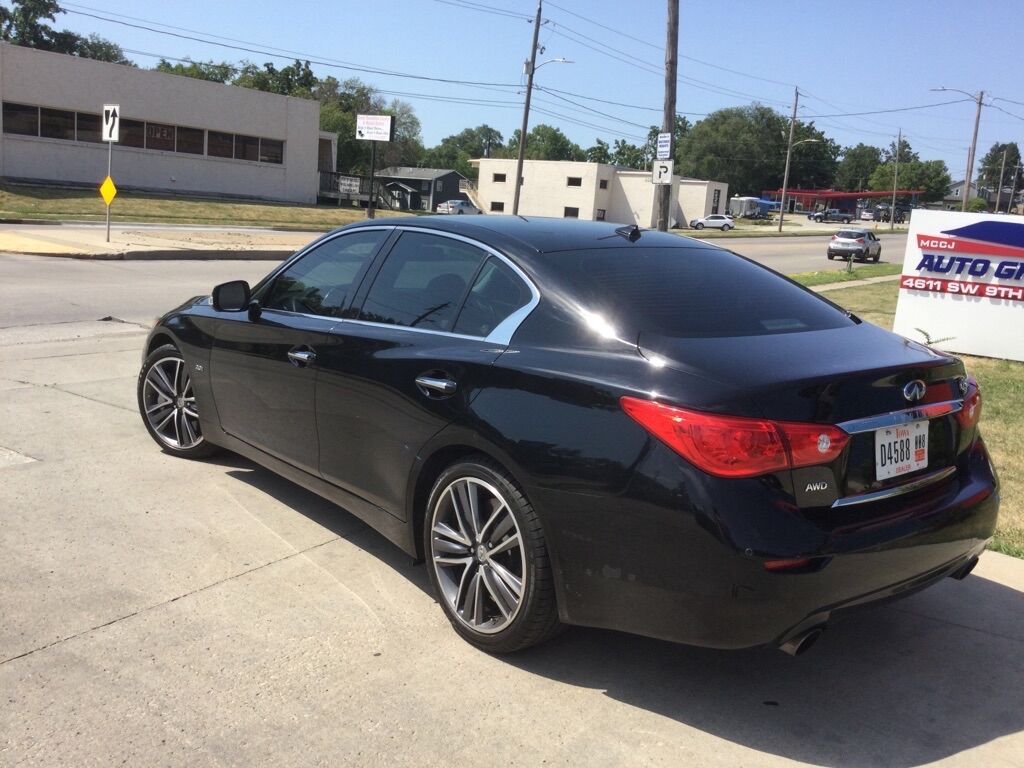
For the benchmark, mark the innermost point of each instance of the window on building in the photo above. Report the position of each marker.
(88, 128)
(422, 283)
(574, 181)
(956, 192)
(190, 141)
(220, 144)
(57, 124)
(425, 186)
(132, 133)
(571, 213)
(271, 151)
(438, 185)
(21, 119)
(497, 206)
(601, 214)
(160, 136)
(498, 178)
(603, 183)
(247, 148)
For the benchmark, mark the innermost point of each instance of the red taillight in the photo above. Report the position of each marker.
(736, 446)
(860, 240)
(970, 414)
(835, 237)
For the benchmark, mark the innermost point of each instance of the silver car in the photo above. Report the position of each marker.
(725, 223)
(457, 207)
(859, 244)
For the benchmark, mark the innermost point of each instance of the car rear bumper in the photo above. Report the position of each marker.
(847, 252)
(681, 561)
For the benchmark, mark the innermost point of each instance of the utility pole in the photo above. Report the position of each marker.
(895, 182)
(999, 191)
(526, 112)
(970, 155)
(789, 155)
(1013, 187)
(668, 122)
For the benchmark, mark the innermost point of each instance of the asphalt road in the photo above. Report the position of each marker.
(803, 254)
(164, 612)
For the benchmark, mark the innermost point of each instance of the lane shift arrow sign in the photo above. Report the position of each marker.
(111, 123)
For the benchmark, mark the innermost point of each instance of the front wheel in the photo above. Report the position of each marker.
(167, 403)
(487, 559)
(698, 225)
(831, 256)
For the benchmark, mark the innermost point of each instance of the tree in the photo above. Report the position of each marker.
(546, 142)
(406, 146)
(294, 80)
(932, 176)
(457, 150)
(682, 128)
(630, 155)
(743, 146)
(813, 164)
(599, 153)
(855, 169)
(24, 23)
(907, 155)
(200, 70)
(992, 165)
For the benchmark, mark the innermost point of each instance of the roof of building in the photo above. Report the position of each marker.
(406, 172)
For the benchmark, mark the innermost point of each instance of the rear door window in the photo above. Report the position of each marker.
(423, 282)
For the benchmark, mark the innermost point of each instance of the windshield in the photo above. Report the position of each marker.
(691, 292)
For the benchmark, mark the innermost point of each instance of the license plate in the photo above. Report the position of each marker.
(901, 450)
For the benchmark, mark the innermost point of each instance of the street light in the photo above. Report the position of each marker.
(531, 67)
(974, 140)
(785, 176)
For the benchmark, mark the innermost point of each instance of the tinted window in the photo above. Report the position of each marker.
(132, 133)
(847, 234)
(422, 283)
(496, 294)
(21, 119)
(88, 127)
(220, 144)
(190, 140)
(691, 292)
(271, 151)
(247, 148)
(57, 124)
(159, 136)
(321, 282)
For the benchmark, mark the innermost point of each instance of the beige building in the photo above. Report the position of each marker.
(176, 133)
(593, 191)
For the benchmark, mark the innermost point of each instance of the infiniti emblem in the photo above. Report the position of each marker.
(914, 390)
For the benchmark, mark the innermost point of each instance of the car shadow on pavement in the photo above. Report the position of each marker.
(900, 685)
(905, 684)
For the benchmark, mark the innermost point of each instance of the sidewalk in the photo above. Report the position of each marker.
(134, 241)
(854, 283)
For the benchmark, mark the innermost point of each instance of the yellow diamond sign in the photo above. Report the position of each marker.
(108, 190)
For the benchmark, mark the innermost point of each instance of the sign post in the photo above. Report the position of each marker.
(111, 133)
(374, 128)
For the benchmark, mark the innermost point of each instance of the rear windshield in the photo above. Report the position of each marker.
(848, 234)
(691, 292)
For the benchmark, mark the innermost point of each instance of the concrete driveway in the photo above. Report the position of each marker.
(163, 612)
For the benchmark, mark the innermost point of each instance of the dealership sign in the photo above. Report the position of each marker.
(962, 287)
(374, 127)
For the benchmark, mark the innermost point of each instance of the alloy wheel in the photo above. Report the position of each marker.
(169, 404)
(478, 556)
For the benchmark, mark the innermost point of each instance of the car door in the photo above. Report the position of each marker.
(437, 314)
(262, 369)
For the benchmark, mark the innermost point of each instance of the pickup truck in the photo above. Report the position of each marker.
(832, 214)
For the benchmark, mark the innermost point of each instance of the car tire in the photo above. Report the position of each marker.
(459, 212)
(846, 221)
(698, 225)
(831, 256)
(877, 256)
(726, 227)
(168, 407)
(499, 595)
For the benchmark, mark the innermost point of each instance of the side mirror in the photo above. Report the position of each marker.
(231, 297)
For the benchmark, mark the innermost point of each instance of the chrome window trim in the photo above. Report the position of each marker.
(897, 490)
(917, 413)
(503, 332)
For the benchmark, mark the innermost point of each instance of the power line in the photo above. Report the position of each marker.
(897, 109)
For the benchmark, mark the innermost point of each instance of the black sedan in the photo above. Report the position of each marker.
(574, 423)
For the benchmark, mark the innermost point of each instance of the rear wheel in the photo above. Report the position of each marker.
(167, 403)
(726, 227)
(487, 559)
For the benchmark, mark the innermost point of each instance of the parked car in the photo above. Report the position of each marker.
(860, 244)
(833, 214)
(868, 214)
(573, 423)
(456, 207)
(715, 221)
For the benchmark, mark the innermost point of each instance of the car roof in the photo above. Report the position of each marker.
(854, 229)
(536, 234)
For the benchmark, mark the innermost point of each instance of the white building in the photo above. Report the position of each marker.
(176, 134)
(593, 191)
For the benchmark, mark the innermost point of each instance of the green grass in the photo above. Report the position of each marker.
(49, 203)
(793, 226)
(1002, 422)
(840, 275)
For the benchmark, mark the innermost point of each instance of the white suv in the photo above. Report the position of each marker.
(457, 207)
(715, 221)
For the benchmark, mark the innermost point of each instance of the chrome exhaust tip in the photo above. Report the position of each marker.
(802, 642)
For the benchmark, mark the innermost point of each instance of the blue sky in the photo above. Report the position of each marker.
(870, 55)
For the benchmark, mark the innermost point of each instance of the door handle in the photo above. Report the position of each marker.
(301, 357)
(432, 385)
